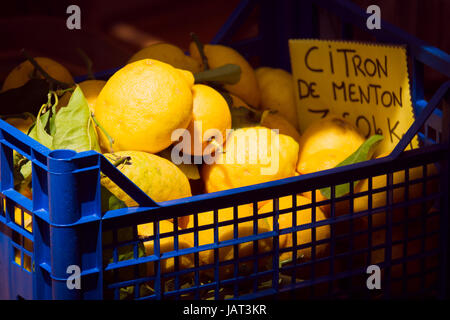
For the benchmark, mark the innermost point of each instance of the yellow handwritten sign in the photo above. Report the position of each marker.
(364, 83)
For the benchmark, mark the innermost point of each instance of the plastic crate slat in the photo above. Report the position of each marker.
(131, 262)
(12, 136)
(83, 273)
(190, 250)
(233, 22)
(421, 118)
(20, 199)
(22, 231)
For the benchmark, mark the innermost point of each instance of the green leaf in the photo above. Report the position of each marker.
(44, 126)
(226, 74)
(25, 170)
(110, 201)
(32, 132)
(51, 122)
(22, 171)
(364, 152)
(74, 128)
(190, 170)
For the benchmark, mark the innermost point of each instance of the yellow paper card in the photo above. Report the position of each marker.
(365, 83)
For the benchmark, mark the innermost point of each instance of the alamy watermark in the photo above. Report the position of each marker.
(74, 280)
(374, 280)
(74, 20)
(374, 20)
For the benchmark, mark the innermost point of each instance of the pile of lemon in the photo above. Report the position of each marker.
(144, 103)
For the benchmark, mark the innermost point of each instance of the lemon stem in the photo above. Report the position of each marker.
(121, 160)
(258, 113)
(41, 110)
(200, 48)
(88, 62)
(49, 100)
(110, 139)
(227, 74)
(55, 96)
(60, 92)
(52, 81)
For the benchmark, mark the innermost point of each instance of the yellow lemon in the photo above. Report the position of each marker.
(142, 104)
(322, 160)
(271, 119)
(27, 219)
(25, 71)
(22, 123)
(168, 53)
(159, 178)
(277, 92)
(275, 120)
(25, 259)
(91, 89)
(211, 118)
(218, 55)
(331, 133)
(252, 155)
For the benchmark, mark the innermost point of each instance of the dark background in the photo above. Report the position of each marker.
(111, 31)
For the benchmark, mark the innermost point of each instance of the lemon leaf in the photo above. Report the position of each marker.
(73, 128)
(25, 170)
(110, 201)
(363, 153)
(226, 74)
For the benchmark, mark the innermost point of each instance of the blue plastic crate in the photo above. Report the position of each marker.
(68, 227)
